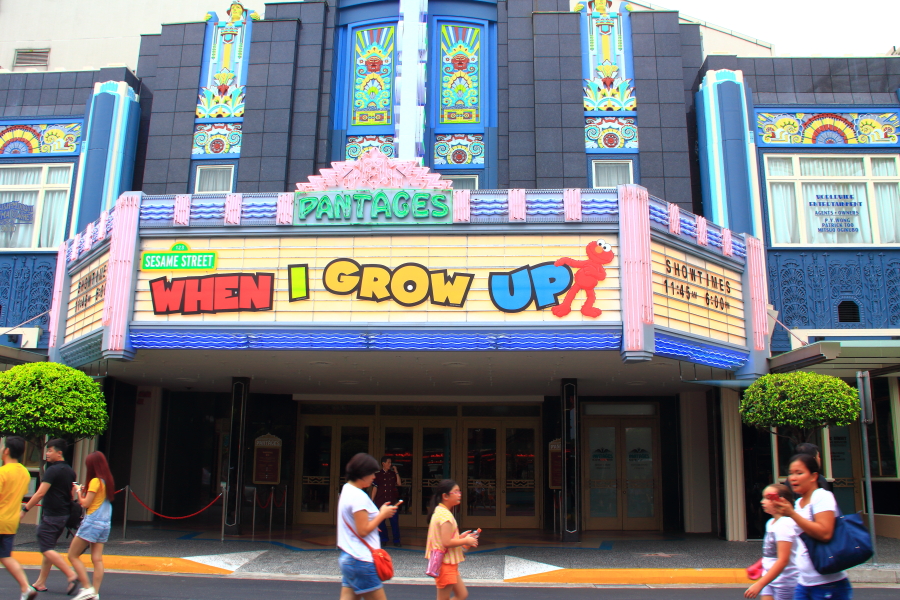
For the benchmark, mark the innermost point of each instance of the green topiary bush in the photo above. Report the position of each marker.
(49, 399)
(799, 403)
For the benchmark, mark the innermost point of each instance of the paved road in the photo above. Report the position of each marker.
(176, 587)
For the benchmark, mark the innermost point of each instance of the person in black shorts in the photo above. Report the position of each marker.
(55, 496)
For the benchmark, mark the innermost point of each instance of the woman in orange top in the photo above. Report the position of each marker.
(443, 534)
(94, 529)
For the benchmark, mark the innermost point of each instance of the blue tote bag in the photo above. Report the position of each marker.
(850, 545)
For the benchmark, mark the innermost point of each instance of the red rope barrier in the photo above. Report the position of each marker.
(283, 499)
(266, 505)
(175, 518)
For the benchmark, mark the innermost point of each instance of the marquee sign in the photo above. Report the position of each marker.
(373, 207)
(431, 278)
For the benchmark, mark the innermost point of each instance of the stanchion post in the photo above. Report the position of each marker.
(125, 518)
(223, 511)
(271, 508)
(284, 506)
(253, 526)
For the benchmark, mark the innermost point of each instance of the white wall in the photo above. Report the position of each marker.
(93, 34)
(145, 452)
(695, 463)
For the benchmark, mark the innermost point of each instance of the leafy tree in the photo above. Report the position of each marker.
(799, 404)
(49, 399)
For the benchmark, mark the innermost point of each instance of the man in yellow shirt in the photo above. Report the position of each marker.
(14, 480)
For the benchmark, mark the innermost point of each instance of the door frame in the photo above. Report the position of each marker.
(622, 522)
(336, 477)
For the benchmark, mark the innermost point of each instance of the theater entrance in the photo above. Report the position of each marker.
(621, 473)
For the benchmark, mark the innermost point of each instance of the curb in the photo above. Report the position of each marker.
(142, 564)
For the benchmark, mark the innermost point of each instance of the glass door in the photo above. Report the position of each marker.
(422, 452)
(327, 446)
(501, 479)
(621, 474)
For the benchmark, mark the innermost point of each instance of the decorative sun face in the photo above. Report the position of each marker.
(374, 63)
(460, 61)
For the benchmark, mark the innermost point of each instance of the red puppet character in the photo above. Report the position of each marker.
(590, 272)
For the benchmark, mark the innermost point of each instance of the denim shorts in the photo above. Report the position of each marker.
(839, 590)
(95, 526)
(358, 575)
(6, 544)
(781, 592)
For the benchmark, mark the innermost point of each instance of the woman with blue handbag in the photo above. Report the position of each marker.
(814, 513)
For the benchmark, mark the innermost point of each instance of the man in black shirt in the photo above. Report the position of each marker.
(55, 497)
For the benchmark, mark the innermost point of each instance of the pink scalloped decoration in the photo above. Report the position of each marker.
(461, 206)
(727, 249)
(572, 203)
(284, 214)
(101, 225)
(516, 202)
(702, 231)
(674, 219)
(374, 170)
(183, 209)
(87, 236)
(233, 209)
(76, 246)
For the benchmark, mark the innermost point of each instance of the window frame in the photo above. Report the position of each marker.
(449, 176)
(798, 180)
(41, 189)
(597, 161)
(195, 177)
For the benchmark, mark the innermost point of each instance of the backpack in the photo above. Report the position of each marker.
(76, 513)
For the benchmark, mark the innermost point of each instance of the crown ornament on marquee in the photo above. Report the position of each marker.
(375, 170)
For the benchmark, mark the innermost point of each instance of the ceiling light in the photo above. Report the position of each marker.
(320, 363)
(462, 383)
(348, 382)
(637, 383)
(190, 379)
(455, 364)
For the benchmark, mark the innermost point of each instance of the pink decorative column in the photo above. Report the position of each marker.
(702, 231)
(516, 203)
(101, 226)
(757, 278)
(56, 302)
(572, 203)
(635, 273)
(121, 272)
(727, 248)
(183, 209)
(284, 214)
(462, 211)
(674, 219)
(233, 209)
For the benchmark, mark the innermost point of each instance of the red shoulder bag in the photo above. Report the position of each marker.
(384, 566)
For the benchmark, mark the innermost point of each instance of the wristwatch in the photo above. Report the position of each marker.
(24, 507)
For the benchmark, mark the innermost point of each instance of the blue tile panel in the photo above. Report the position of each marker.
(386, 340)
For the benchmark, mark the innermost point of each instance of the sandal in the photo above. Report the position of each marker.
(73, 585)
(39, 589)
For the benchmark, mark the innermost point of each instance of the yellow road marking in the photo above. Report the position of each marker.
(157, 564)
(637, 576)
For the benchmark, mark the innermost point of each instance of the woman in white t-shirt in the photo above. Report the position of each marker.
(780, 575)
(814, 514)
(357, 514)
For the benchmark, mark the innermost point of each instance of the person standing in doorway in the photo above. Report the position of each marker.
(14, 480)
(94, 529)
(55, 496)
(386, 489)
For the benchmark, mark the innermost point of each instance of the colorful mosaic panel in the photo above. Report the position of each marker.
(357, 144)
(608, 88)
(40, 138)
(222, 91)
(213, 139)
(460, 74)
(373, 76)
(459, 149)
(610, 133)
(876, 129)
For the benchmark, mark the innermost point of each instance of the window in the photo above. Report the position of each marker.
(34, 201)
(462, 182)
(214, 179)
(610, 173)
(833, 200)
(848, 312)
(32, 59)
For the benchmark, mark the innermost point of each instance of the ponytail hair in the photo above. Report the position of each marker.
(444, 487)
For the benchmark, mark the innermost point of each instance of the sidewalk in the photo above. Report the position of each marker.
(519, 556)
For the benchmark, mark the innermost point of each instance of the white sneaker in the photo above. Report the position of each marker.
(31, 594)
(86, 594)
